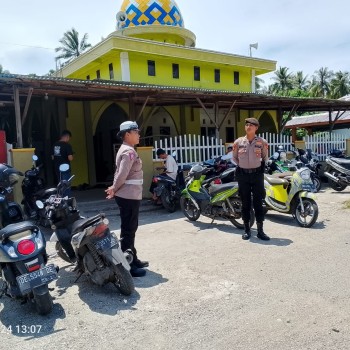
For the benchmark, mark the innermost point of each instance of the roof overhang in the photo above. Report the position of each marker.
(89, 90)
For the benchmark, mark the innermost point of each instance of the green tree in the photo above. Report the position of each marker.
(320, 86)
(2, 71)
(259, 84)
(283, 81)
(300, 81)
(71, 45)
(340, 85)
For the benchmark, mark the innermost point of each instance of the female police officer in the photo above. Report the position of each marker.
(127, 191)
(250, 152)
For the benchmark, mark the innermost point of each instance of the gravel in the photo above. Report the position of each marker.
(206, 288)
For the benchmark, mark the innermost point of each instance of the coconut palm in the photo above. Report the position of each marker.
(258, 84)
(283, 79)
(71, 46)
(321, 82)
(300, 81)
(340, 85)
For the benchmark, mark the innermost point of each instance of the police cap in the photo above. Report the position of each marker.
(253, 121)
(128, 125)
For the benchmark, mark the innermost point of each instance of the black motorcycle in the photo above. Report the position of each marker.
(337, 170)
(24, 269)
(99, 254)
(11, 212)
(59, 213)
(33, 189)
(169, 190)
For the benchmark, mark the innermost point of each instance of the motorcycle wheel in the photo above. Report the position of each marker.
(61, 252)
(337, 186)
(310, 215)
(238, 222)
(43, 302)
(168, 202)
(317, 182)
(189, 209)
(124, 281)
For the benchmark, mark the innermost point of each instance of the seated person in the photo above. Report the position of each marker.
(170, 169)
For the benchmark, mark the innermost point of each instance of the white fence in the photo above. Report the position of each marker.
(322, 143)
(191, 148)
(195, 149)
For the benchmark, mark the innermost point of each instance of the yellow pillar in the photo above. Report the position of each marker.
(347, 150)
(300, 144)
(21, 159)
(145, 153)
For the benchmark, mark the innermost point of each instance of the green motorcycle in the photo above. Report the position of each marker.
(202, 196)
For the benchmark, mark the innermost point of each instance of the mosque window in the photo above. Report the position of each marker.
(151, 68)
(217, 75)
(236, 78)
(111, 72)
(88, 77)
(98, 74)
(176, 71)
(197, 73)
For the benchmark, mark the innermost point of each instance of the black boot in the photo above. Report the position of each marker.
(136, 271)
(246, 235)
(140, 264)
(261, 234)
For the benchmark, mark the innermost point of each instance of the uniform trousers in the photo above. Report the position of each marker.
(251, 183)
(129, 217)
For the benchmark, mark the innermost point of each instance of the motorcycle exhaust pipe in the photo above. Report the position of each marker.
(330, 176)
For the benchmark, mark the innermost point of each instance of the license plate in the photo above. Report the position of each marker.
(37, 278)
(308, 187)
(106, 243)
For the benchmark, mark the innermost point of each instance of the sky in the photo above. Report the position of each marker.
(303, 35)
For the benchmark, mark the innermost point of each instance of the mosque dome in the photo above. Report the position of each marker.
(159, 20)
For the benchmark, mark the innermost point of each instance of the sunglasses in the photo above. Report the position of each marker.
(250, 124)
(134, 131)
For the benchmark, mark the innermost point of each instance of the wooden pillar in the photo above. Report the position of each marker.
(19, 143)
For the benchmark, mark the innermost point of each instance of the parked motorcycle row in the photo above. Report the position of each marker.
(209, 189)
(24, 262)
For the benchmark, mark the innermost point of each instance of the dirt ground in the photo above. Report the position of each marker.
(206, 288)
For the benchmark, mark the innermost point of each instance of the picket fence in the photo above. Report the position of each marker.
(191, 149)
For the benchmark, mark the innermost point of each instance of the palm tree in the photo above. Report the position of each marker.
(71, 46)
(2, 71)
(300, 81)
(321, 81)
(258, 84)
(284, 81)
(340, 85)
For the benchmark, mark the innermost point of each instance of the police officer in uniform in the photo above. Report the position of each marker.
(127, 191)
(250, 152)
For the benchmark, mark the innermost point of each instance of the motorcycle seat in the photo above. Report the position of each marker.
(84, 223)
(286, 174)
(46, 193)
(342, 161)
(272, 180)
(18, 227)
(214, 189)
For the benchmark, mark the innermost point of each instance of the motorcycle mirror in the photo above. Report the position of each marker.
(64, 167)
(174, 154)
(39, 204)
(35, 157)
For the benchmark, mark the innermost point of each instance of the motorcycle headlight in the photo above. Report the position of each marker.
(305, 174)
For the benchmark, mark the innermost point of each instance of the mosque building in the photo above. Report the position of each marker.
(152, 46)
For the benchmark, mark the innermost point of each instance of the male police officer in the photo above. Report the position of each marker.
(250, 152)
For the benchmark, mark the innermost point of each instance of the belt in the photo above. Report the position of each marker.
(134, 182)
(251, 171)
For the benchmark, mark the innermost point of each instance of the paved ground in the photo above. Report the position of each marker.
(207, 289)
